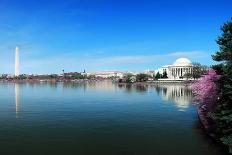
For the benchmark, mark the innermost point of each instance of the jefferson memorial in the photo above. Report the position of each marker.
(178, 69)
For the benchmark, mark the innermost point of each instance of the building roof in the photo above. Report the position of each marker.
(182, 62)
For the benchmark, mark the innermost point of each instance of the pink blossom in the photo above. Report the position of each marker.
(206, 90)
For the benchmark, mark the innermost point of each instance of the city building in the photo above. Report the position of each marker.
(178, 70)
(108, 74)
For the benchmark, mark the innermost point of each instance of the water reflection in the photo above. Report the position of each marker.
(106, 85)
(17, 99)
(179, 93)
(129, 88)
(60, 118)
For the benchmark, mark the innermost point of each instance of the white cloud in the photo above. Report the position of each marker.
(147, 58)
(77, 63)
(188, 54)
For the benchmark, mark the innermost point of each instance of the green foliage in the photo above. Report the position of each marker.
(91, 76)
(76, 76)
(165, 75)
(141, 77)
(79, 76)
(3, 76)
(188, 75)
(224, 55)
(227, 140)
(22, 77)
(53, 76)
(158, 75)
(223, 117)
(198, 70)
(128, 78)
(225, 44)
(218, 68)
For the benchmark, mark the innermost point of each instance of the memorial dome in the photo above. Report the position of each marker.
(182, 62)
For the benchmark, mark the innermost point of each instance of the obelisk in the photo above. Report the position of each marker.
(17, 68)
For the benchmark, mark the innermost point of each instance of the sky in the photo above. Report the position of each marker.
(95, 35)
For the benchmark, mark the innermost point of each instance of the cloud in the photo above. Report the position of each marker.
(188, 54)
(72, 62)
(148, 58)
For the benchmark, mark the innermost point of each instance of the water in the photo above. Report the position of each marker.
(100, 118)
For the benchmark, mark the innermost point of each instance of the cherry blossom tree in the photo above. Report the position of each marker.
(205, 89)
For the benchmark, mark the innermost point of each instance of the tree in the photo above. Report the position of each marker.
(3, 76)
(205, 90)
(165, 75)
(22, 77)
(128, 78)
(158, 75)
(141, 77)
(53, 76)
(188, 75)
(91, 77)
(224, 56)
(79, 76)
(218, 68)
(198, 70)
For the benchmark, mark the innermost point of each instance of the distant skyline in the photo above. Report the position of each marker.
(108, 35)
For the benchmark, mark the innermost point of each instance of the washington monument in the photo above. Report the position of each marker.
(17, 68)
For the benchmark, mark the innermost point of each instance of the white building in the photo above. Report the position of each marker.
(108, 74)
(178, 69)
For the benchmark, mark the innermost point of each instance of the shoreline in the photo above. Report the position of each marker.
(206, 123)
(94, 80)
(208, 126)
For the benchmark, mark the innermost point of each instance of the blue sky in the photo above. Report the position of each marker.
(108, 34)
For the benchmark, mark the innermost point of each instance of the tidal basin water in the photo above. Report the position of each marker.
(100, 118)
